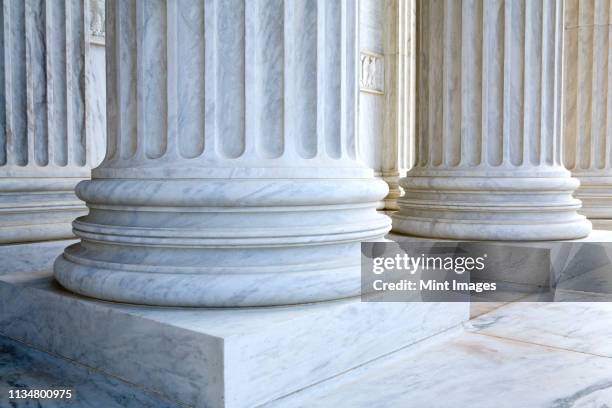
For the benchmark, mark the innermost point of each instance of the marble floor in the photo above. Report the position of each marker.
(22, 367)
(522, 355)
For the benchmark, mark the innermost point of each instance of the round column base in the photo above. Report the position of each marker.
(494, 208)
(595, 192)
(207, 287)
(491, 230)
(29, 216)
(227, 243)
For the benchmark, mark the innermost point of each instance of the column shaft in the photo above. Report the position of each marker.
(231, 176)
(43, 139)
(488, 157)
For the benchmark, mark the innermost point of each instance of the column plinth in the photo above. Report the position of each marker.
(43, 140)
(488, 161)
(231, 177)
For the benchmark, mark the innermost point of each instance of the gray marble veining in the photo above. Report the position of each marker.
(24, 368)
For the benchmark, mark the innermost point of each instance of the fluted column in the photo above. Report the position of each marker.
(43, 138)
(231, 176)
(488, 160)
(588, 105)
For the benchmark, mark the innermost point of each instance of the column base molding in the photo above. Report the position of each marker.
(38, 209)
(490, 208)
(595, 192)
(222, 242)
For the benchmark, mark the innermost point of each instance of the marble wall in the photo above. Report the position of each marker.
(386, 101)
(96, 80)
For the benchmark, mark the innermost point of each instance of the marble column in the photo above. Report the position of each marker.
(43, 138)
(398, 125)
(588, 105)
(231, 176)
(488, 158)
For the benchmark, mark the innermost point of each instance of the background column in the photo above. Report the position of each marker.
(386, 99)
(231, 176)
(488, 160)
(588, 107)
(398, 125)
(43, 138)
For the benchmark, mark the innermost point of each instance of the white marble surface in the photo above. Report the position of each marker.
(30, 258)
(469, 370)
(371, 104)
(24, 368)
(578, 326)
(243, 356)
(488, 158)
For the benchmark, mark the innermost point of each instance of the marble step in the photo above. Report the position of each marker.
(212, 357)
(522, 355)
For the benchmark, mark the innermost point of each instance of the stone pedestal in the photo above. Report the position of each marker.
(231, 176)
(208, 357)
(43, 138)
(488, 161)
(588, 109)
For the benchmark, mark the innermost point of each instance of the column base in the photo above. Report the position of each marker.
(267, 284)
(225, 243)
(38, 209)
(493, 208)
(595, 192)
(601, 224)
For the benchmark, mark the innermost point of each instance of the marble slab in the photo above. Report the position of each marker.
(578, 326)
(16, 258)
(468, 370)
(24, 368)
(214, 357)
